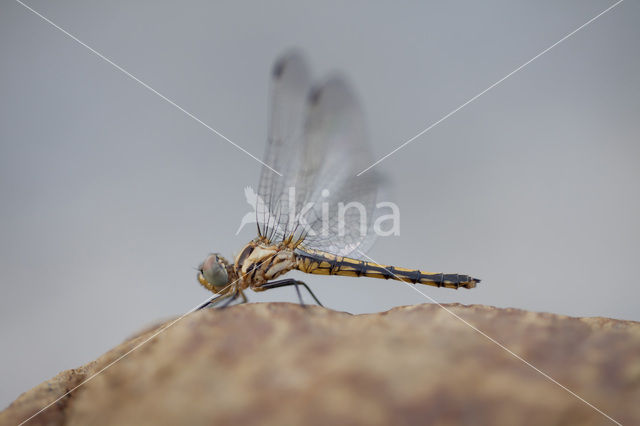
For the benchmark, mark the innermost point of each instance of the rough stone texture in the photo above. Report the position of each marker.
(283, 364)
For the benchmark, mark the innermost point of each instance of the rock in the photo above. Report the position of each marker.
(282, 364)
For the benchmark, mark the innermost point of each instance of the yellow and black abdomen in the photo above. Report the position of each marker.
(318, 262)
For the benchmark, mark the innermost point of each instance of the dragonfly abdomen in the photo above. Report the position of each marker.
(316, 262)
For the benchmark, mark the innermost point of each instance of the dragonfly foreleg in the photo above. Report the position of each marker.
(288, 282)
(228, 298)
(212, 302)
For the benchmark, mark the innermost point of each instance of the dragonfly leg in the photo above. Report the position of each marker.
(299, 295)
(288, 282)
(228, 298)
(213, 302)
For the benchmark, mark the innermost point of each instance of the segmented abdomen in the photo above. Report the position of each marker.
(318, 262)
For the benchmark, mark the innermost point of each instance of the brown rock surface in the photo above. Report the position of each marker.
(283, 364)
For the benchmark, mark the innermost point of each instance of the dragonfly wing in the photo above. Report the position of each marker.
(290, 86)
(317, 141)
(340, 204)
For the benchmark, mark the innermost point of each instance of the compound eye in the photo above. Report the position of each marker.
(214, 271)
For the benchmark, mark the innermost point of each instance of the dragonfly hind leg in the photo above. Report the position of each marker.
(287, 282)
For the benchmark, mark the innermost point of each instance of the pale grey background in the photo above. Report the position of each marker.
(110, 196)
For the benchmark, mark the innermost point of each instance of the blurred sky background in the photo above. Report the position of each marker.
(110, 196)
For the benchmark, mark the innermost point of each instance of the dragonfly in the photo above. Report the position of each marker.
(316, 146)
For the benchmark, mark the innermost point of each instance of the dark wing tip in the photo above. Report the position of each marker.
(336, 91)
(314, 95)
(290, 57)
(278, 67)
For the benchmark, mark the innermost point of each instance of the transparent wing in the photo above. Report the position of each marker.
(336, 212)
(290, 86)
(319, 201)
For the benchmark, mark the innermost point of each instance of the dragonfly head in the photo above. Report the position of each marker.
(212, 273)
